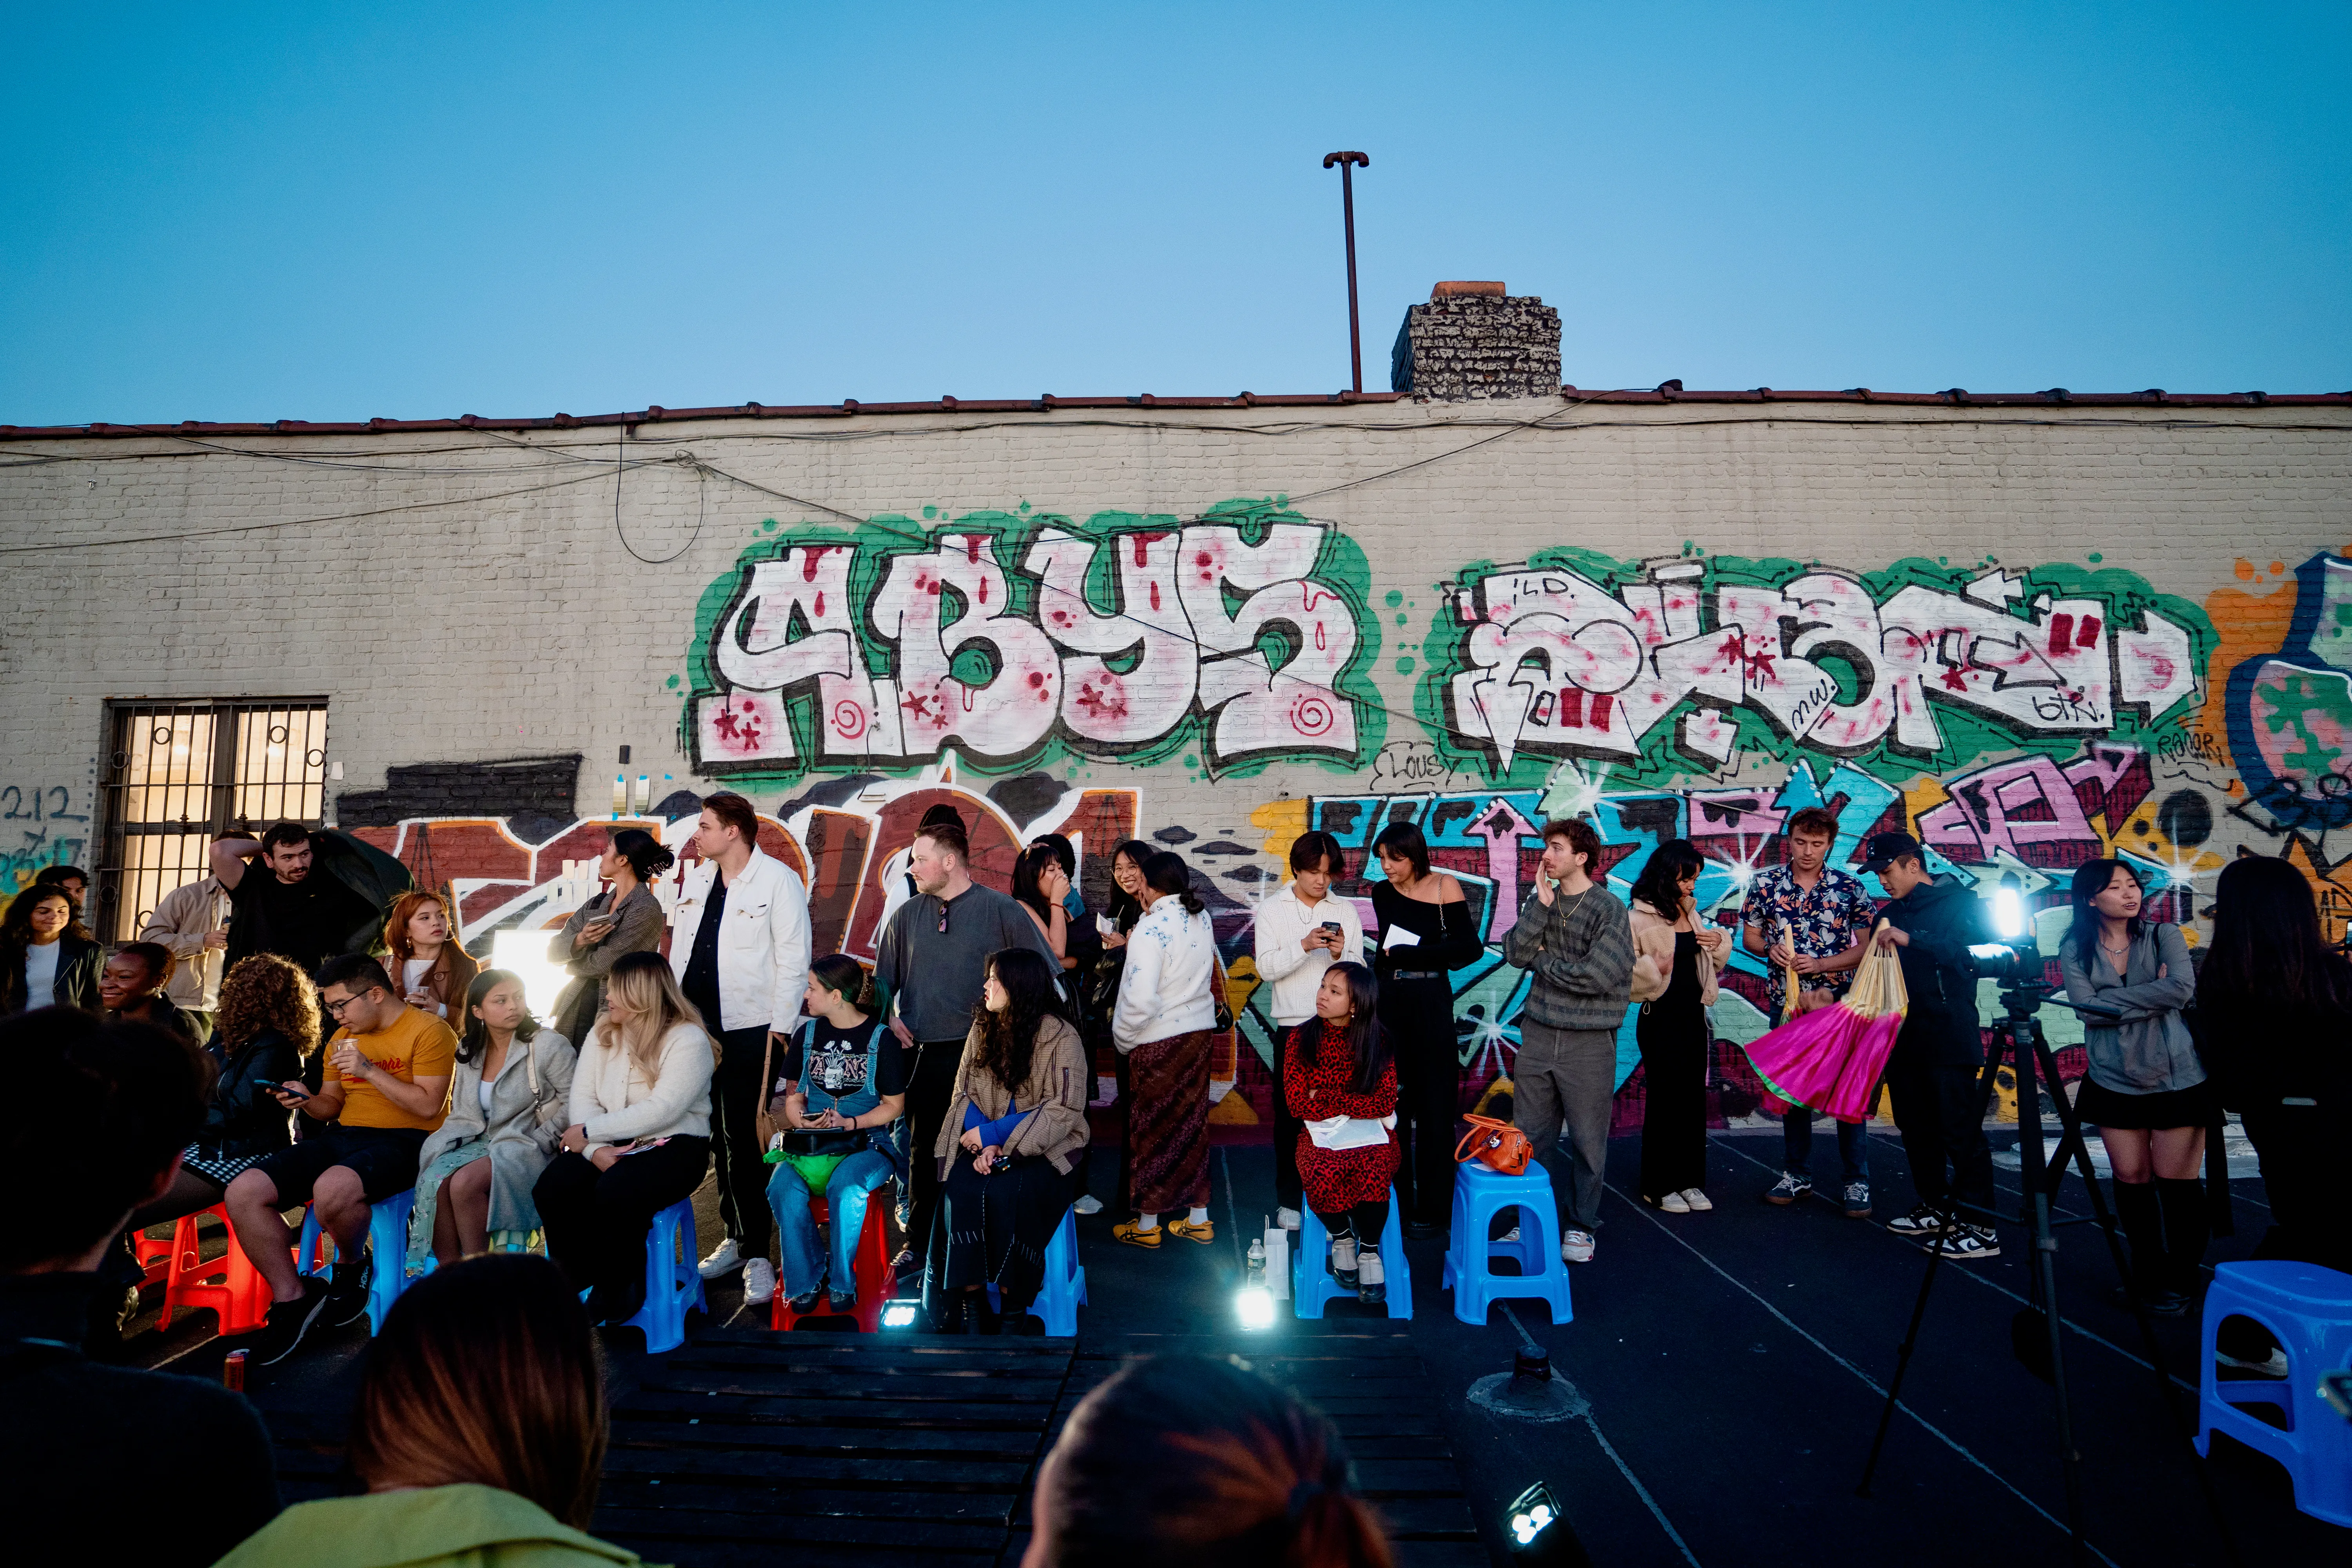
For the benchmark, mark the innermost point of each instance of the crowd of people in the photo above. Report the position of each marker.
(302, 1029)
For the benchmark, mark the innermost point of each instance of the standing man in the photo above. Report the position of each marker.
(928, 973)
(71, 880)
(191, 923)
(1932, 1073)
(740, 952)
(1302, 931)
(281, 902)
(388, 1068)
(1577, 942)
(1808, 916)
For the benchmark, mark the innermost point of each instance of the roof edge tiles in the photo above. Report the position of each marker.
(1671, 391)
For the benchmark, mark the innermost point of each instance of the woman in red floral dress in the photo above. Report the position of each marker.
(1339, 1078)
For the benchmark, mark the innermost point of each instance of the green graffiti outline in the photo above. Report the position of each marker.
(1340, 567)
(1967, 735)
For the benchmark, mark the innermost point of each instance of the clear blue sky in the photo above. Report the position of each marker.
(336, 212)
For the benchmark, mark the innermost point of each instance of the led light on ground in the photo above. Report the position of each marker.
(1531, 1513)
(898, 1314)
(1255, 1307)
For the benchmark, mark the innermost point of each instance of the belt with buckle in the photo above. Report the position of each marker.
(1416, 974)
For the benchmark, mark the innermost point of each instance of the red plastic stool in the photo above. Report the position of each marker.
(229, 1285)
(871, 1265)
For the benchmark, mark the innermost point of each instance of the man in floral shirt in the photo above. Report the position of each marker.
(1809, 916)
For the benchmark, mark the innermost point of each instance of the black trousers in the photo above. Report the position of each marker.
(735, 1095)
(929, 1086)
(1419, 1017)
(596, 1220)
(1673, 1037)
(1937, 1110)
(1287, 1193)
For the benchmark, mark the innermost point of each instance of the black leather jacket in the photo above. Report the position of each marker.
(241, 1118)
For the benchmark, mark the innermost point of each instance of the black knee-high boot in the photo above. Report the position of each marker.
(2186, 1228)
(2143, 1226)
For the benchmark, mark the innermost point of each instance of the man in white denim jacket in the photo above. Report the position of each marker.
(1295, 943)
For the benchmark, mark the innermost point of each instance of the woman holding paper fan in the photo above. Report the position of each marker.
(1341, 1082)
(1426, 930)
(1674, 962)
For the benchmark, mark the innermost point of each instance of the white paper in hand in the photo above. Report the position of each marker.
(1399, 937)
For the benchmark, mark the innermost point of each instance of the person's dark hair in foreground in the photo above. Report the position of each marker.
(116, 1104)
(1182, 1460)
(479, 1432)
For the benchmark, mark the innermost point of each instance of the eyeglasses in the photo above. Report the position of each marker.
(335, 1009)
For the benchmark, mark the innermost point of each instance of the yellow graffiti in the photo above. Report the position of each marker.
(1284, 821)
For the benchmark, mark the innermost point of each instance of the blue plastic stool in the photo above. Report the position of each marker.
(673, 1284)
(1480, 1193)
(1311, 1284)
(387, 1240)
(2309, 1310)
(1064, 1290)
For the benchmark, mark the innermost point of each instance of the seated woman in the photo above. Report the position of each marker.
(639, 1139)
(267, 1027)
(622, 919)
(47, 957)
(510, 1093)
(131, 989)
(431, 971)
(1339, 1079)
(1182, 1460)
(1009, 1148)
(841, 1083)
(479, 1434)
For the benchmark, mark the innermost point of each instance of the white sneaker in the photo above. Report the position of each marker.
(759, 1281)
(1697, 1200)
(1287, 1219)
(1343, 1260)
(723, 1260)
(1576, 1247)
(1089, 1204)
(1673, 1203)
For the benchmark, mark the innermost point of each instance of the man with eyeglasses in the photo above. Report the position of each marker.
(387, 1076)
(927, 972)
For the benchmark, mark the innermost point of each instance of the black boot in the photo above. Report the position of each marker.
(2186, 1228)
(2143, 1227)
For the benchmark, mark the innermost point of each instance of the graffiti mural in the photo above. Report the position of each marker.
(39, 829)
(1685, 662)
(1006, 635)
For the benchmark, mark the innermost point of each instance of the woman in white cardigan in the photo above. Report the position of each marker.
(639, 1139)
(1165, 1022)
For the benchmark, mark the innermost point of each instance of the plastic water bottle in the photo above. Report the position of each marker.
(1257, 1260)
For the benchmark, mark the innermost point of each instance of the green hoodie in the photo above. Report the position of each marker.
(476, 1526)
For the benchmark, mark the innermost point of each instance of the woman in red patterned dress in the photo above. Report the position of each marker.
(1339, 1078)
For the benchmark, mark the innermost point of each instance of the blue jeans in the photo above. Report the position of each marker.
(846, 1191)
(1797, 1145)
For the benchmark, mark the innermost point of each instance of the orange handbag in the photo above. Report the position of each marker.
(1501, 1146)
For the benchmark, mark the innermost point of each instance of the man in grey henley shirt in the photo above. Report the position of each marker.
(1577, 942)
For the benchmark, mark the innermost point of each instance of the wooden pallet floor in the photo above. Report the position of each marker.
(746, 1446)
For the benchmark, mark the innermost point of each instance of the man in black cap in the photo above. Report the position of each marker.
(1932, 1074)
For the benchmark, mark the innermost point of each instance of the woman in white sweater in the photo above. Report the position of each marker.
(1165, 1022)
(639, 1136)
(1302, 931)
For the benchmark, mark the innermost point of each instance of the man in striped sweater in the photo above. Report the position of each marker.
(1575, 940)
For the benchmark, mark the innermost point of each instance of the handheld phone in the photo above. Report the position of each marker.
(293, 1091)
(1332, 926)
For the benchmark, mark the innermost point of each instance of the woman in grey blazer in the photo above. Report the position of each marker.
(509, 1089)
(623, 917)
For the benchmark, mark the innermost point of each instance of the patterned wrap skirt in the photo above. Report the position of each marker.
(1168, 1122)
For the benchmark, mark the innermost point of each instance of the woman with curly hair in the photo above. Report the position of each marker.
(267, 1026)
(1008, 1149)
(424, 958)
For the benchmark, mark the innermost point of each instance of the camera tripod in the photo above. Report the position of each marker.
(2037, 1333)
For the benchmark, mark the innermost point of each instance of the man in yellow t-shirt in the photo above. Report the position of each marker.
(386, 1086)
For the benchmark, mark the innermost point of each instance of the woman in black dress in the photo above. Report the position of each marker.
(1674, 962)
(1425, 930)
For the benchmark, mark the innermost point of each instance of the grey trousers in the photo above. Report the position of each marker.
(1567, 1078)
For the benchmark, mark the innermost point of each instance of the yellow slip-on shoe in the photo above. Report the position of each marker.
(1205, 1231)
(1134, 1234)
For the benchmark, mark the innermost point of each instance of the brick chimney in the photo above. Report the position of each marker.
(1474, 339)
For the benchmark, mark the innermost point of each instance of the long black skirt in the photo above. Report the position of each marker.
(993, 1229)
